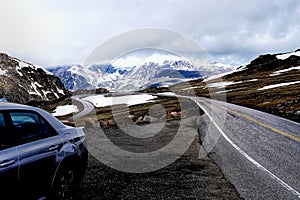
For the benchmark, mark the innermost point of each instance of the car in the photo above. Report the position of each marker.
(40, 157)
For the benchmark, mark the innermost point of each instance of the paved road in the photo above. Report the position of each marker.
(258, 152)
(88, 107)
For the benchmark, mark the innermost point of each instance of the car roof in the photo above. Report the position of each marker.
(6, 105)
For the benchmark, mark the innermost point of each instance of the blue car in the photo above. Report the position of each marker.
(40, 157)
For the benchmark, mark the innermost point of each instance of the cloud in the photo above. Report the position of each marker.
(63, 32)
(137, 58)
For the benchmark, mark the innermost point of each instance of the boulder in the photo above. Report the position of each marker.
(149, 119)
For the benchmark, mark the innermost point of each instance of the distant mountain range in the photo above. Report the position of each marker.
(22, 82)
(133, 78)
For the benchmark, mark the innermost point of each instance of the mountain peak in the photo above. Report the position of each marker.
(118, 78)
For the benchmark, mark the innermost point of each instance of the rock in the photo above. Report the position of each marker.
(130, 116)
(111, 123)
(175, 114)
(107, 123)
(104, 124)
(149, 119)
(139, 120)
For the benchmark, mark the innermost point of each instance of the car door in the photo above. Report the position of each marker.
(8, 161)
(38, 145)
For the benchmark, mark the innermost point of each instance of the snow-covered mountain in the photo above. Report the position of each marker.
(117, 78)
(76, 77)
(22, 82)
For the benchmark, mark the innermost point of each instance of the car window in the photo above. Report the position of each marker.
(30, 127)
(4, 143)
(2, 123)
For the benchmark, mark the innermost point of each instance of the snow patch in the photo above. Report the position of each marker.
(278, 85)
(255, 79)
(39, 85)
(55, 94)
(284, 70)
(167, 93)
(35, 92)
(3, 72)
(195, 87)
(60, 91)
(102, 101)
(24, 64)
(286, 55)
(65, 110)
(222, 84)
(45, 93)
(17, 70)
(223, 91)
(47, 72)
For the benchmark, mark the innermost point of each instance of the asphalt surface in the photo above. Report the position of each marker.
(88, 107)
(257, 152)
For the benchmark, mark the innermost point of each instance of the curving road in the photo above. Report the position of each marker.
(259, 153)
(88, 107)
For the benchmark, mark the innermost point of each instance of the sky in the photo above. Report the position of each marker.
(54, 32)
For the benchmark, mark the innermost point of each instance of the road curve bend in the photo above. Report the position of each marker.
(88, 107)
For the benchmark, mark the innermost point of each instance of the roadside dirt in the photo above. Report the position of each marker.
(187, 178)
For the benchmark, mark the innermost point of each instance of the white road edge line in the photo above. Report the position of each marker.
(295, 192)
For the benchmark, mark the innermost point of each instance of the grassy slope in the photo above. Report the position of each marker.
(281, 101)
(168, 104)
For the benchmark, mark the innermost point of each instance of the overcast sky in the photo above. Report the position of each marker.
(56, 32)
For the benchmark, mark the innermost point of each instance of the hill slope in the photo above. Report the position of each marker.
(22, 82)
(270, 83)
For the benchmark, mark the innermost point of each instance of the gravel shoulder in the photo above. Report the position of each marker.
(187, 178)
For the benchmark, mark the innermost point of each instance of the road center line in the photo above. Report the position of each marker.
(264, 125)
(278, 180)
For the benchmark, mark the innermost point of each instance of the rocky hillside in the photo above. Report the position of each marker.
(22, 82)
(270, 83)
